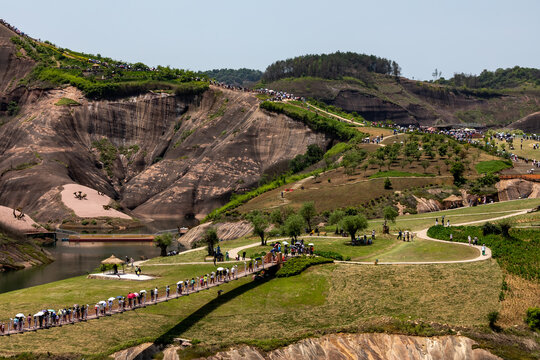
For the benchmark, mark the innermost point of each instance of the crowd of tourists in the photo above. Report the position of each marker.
(13, 28)
(47, 318)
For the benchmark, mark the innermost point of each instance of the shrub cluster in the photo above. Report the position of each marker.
(296, 265)
(532, 318)
(519, 253)
(329, 254)
(332, 127)
(111, 89)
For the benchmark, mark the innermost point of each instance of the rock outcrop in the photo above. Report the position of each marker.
(160, 156)
(513, 189)
(427, 205)
(226, 231)
(529, 123)
(367, 347)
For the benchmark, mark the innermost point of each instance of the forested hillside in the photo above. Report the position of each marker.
(498, 79)
(332, 66)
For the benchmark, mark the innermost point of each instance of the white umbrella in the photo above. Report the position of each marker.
(143, 291)
(19, 315)
(310, 244)
(41, 313)
(285, 243)
(180, 282)
(102, 302)
(220, 269)
(112, 299)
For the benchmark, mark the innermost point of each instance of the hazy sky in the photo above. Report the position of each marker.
(421, 35)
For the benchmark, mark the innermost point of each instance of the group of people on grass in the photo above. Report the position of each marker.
(48, 317)
(405, 235)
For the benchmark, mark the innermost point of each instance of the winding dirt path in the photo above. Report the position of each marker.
(422, 234)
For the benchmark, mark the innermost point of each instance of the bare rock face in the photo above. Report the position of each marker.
(529, 123)
(517, 189)
(143, 351)
(158, 155)
(13, 67)
(226, 231)
(368, 347)
(427, 205)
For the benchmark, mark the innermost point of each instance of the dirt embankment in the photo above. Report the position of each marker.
(17, 252)
(367, 347)
(514, 189)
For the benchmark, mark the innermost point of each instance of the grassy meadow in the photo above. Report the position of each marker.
(325, 298)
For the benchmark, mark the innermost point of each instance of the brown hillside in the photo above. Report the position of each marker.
(13, 67)
(414, 102)
(161, 156)
(529, 123)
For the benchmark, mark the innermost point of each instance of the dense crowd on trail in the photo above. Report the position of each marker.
(47, 318)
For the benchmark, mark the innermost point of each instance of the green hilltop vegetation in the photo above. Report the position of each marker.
(240, 77)
(498, 79)
(332, 66)
(101, 77)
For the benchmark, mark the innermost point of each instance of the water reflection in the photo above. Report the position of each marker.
(74, 259)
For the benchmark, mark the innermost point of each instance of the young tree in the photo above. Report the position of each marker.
(457, 171)
(389, 213)
(211, 238)
(308, 212)
(443, 149)
(354, 223)
(387, 184)
(293, 226)
(425, 164)
(336, 217)
(259, 223)
(162, 241)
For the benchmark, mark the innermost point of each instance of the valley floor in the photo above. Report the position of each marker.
(324, 299)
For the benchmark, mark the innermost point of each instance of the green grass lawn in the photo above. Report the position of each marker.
(334, 297)
(396, 173)
(324, 298)
(200, 255)
(527, 151)
(386, 248)
(79, 290)
(492, 166)
(425, 250)
(421, 221)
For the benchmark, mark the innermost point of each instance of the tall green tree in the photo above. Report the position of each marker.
(308, 212)
(294, 225)
(210, 238)
(353, 224)
(390, 214)
(260, 223)
(163, 241)
(336, 217)
(457, 169)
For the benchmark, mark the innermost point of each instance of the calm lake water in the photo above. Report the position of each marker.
(73, 259)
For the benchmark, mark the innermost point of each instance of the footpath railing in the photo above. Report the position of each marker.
(121, 304)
